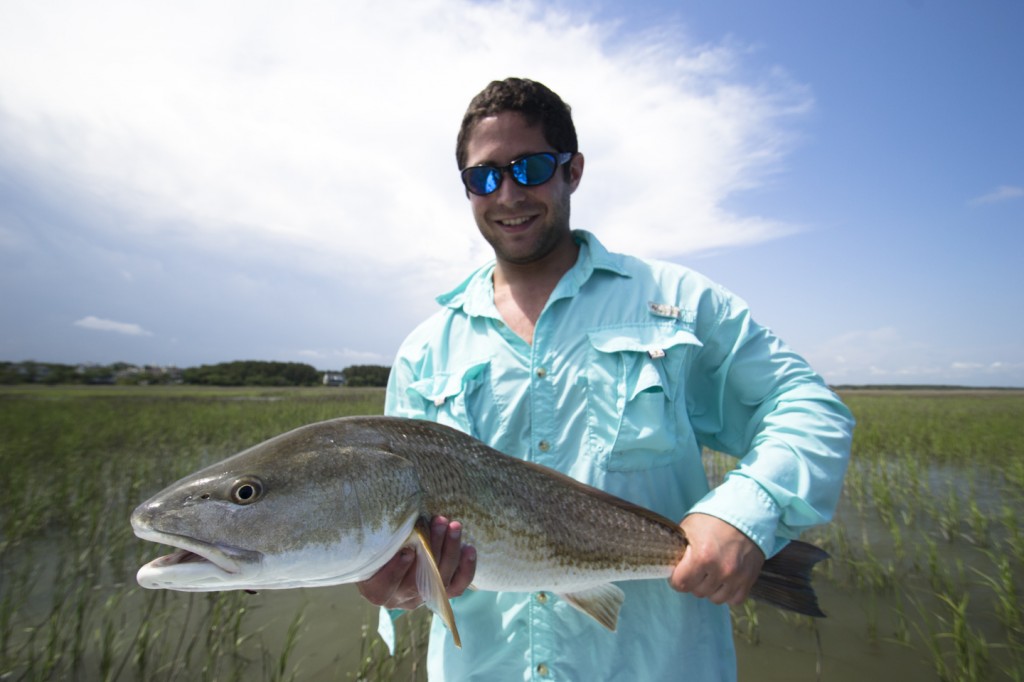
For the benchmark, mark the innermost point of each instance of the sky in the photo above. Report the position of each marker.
(193, 182)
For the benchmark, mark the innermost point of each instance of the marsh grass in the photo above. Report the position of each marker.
(76, 461)
(927, 536)
(925, 580)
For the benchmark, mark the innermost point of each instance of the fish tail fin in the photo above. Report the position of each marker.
(785, 580)
(429, 581)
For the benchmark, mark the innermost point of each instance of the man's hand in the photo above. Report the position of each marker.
(394, 585)
(720, 563)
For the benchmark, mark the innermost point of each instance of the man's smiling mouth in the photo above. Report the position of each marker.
(515, 222)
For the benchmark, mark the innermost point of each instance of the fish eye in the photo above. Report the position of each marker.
(246, 490)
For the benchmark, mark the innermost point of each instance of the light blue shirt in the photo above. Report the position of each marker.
(634, 366)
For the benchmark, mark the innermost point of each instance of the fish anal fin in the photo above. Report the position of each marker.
(429, 582)
(602, 603)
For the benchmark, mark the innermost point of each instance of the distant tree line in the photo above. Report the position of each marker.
(253, 373)
(32, 372)
(366, 375)
(238, 373)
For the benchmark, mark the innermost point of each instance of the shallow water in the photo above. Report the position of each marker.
(64, 613)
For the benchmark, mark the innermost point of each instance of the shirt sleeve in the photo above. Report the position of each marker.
(750, 396)
(399, 401)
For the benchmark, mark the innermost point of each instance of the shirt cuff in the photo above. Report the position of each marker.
(743, 503)
(386, 626)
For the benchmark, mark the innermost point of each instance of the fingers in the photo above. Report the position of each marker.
(382, 587)
(394, 585)
(456, 563)
(463, 576)
(720, 563)
(733, 596)
(446, 541)
(697, 574)
(708, 581)
(733, 593)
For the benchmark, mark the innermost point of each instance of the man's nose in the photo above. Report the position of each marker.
(509, 191)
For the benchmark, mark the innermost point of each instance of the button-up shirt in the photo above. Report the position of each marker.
(635, 365)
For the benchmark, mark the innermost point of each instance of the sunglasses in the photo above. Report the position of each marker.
(529, 171)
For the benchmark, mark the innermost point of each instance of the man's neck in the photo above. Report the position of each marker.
(521, 291)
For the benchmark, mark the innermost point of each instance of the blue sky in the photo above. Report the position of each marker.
(197, 182)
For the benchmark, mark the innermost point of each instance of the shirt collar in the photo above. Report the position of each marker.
(475, 294)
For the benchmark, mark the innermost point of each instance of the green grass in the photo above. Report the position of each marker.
(927, 540)
(76, 461)
(927, 573)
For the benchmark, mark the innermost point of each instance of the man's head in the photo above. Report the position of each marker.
(514, 134)
(537, 104)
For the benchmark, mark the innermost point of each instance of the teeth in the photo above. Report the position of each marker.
(514, 221)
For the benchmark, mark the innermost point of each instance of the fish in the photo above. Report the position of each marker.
(331, 502)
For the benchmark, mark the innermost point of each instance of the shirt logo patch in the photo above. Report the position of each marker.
(665, 310)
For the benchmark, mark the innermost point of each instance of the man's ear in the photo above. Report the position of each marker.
(575, 171)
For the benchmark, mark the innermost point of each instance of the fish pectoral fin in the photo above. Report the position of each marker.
(429, 582)
(602, 603)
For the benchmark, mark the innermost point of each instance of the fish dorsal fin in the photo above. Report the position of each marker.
(602, 603)
(429, 582)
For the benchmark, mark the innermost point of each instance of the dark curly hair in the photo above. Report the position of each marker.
(535, 101)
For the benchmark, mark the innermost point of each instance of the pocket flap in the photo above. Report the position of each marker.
(646, 338)
(439, 387)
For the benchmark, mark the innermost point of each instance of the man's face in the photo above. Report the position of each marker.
(522, 224)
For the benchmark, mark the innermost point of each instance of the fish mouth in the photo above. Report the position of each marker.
(194, 565)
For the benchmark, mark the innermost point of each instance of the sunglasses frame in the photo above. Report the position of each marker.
(560, 159)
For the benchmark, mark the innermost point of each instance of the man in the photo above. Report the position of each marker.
(615, 371)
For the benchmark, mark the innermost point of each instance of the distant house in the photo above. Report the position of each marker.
(334, 379)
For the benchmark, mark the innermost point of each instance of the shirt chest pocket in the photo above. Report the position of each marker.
(633, 378)
(458, 398)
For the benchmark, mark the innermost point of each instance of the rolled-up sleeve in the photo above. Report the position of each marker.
(752, 397)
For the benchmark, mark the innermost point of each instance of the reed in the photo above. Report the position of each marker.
(934, 498)
(76, 462)
(927, 567)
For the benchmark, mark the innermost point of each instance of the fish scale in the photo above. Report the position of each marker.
(557, 530)
(331, 502)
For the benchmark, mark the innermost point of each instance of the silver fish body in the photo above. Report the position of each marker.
(331, 502)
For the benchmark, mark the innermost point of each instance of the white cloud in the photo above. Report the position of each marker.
(102, 325)
(886, 356)
(343, 357)
(967, 366)
(324, 132)
(1001, 193)
(995, 368)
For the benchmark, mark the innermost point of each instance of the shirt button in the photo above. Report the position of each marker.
(541, 372)
(542, 669)
(542, 597)
(544, 446)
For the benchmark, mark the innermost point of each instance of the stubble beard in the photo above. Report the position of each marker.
(546, 239)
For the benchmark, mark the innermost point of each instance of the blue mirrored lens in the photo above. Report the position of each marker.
(535, 169)
(482, 179)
